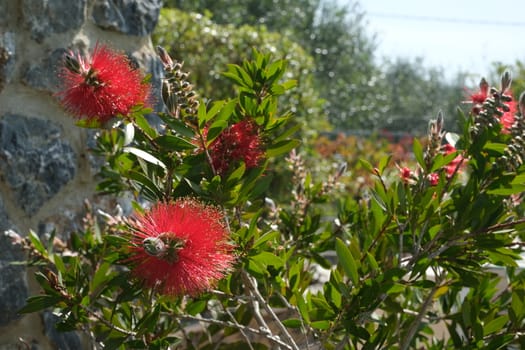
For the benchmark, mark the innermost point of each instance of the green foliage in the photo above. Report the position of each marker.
(361, 90)
(207, 48)
(402, 263)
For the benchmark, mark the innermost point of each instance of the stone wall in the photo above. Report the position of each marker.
(45, 171)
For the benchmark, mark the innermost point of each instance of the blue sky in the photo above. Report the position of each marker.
(455, 34)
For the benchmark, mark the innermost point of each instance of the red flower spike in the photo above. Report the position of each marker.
(406, 175)
(101, 87)
(507, 119)
(180, 247)
(241, 141)
(433, 179)
(450, 168)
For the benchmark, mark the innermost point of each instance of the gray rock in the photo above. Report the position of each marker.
(3, 9)
(60, 340)
(44, 17)
(42, 75)
(7, 57)
(13, 284)
(35, 162)
(132, 17)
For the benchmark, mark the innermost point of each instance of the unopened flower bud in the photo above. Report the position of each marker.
(341, 170)
(439, 122)
(165, 58)
(270, 204)
(521, 104)
(72, 63)
(506, 79)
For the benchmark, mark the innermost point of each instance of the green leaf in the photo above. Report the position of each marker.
(495, 325)
(129, 133)
(346, 260)
(177, 126)
(144, 155)
(174, 143)
(281, 147)
(293, 323)
(270, 235)
(267, 258)
(495, 147)
(143, 123)
(324, 325)
(201, 114)
(215, 129)
(289, 84)
(148, 322)
(418, 153)
(37, 243)
(507, 190)
(238, 75)
(39, 302)
(196, 307)
(367, 165)
(236, 176)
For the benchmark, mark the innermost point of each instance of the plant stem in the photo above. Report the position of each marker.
(268, 336)
(417, 321)
(251, 284)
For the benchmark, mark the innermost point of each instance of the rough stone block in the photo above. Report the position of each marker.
(61, 340)
(132, 17)
(44, 17)
(35, 160)
(13, 284)
(7, 58)
(42, 75)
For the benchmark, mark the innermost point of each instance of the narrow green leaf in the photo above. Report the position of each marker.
(495, 325)
(215, 129)
(201, 115)
(323, 325)
(144, 155)
(346, 260)
(418, 153)
(39, 302)
(174, 143)
(282, 147)
(270, 235)
(177, 125)
(267, 258)
(196, 307)
(143, 124)
(37, 243)
(367, 165)
(293, 323)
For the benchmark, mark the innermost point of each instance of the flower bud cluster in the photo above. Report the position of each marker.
(491, 105)
(435, 138)
(177, 92)
(514, 154)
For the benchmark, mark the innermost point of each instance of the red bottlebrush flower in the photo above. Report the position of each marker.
(406, 175)
(433, 179)
(450, 168)
(507, 119)
(241, 141)
(101, 87)
(180, 247)
(477, 98)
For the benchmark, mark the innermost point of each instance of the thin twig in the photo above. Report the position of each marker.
(106, 322)
(270, 337)
(417, 321)
(234, 320)
(253, 287)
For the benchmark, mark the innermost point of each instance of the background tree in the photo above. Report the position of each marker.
(207, 48)
(359, 92)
